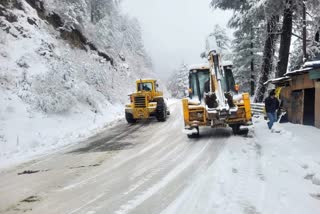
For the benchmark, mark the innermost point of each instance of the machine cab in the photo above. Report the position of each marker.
(146, 86)
(199, 80)
(199, 77)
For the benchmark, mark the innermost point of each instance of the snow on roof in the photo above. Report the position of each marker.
(314, 64)
(199, 66)
(206, 65)
(300, 71)
(277, 80)
(226, 63)
(307, 66)
(146, 79)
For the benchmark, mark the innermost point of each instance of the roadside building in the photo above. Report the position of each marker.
(300, 94)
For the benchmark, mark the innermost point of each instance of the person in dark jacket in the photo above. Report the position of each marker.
(271, 105)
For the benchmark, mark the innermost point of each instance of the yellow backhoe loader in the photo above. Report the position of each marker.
(213, 100)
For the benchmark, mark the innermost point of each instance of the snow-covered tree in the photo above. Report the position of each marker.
(276, 18)
(220, 38)
(102, 22)
(100, 9)
(178, 83)
(247, 56)
(312, 43)
(247, 47)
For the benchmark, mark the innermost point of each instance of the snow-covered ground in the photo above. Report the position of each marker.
(26, 134)
(273, 173)
(152, 167)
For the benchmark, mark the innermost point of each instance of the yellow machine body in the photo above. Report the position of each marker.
(196, 112)
(146, 102)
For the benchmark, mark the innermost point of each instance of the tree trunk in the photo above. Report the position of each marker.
(304, 32)
(267, 58)
(285, 41)
(93, 10)
(252, 76)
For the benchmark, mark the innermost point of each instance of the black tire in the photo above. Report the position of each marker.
(194, 135)
(235, 129)
(130, 119)
(161, 111)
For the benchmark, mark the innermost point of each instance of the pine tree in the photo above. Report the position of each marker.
(220, 38)
(312, 23)
(179, 82)
(277, 18)
(247, 49)
(247, 45)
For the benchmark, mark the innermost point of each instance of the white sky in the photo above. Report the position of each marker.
(174, 31)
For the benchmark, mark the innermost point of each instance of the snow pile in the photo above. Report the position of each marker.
(263, 173)
(55, 87)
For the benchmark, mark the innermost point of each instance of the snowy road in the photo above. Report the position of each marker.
(128, 169)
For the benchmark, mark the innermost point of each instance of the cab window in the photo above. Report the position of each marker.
(198, 82)
(146, 86)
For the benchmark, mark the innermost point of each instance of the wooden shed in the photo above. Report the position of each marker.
(300, 94)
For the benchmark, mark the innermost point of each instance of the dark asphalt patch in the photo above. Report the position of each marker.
(309, 176)
(29, 172)
(111, 140)
(31, 199)
(79, 167)
(316, 196)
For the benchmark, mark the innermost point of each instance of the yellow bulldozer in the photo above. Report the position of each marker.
(213, 100)
(146, 102)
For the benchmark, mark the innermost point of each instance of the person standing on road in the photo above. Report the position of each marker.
(271, 105)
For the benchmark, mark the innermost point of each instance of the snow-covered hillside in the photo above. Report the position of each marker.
(63, 72)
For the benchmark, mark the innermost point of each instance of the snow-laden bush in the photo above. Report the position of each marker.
(52, 92)
(84, 94)
(6, 78)
(51, 101)
(3, 37)
(78, 77)
(24, 89)
(316, 179)
(105, 26)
